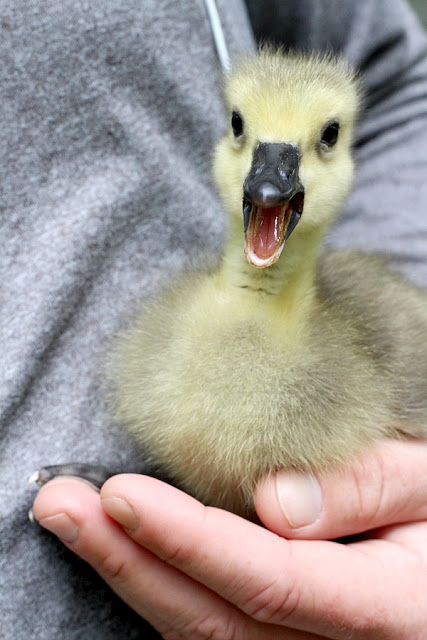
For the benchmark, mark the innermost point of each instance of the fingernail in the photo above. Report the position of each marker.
(62, 526)
(121, 511)
(300, 498)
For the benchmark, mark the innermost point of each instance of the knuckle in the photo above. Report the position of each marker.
(209, 627)
(274, 603)
(111, 567)
(369, 479)
(177, 553)
(212, 628)
(174, 555)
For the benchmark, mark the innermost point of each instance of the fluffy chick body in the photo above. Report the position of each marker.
(233, 374)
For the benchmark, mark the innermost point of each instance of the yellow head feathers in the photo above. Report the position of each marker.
(308, 103)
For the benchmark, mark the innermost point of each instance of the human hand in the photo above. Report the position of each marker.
(197, 572)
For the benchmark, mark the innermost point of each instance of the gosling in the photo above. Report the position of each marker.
(284, 357)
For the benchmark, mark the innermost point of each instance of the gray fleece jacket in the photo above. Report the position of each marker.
(109, 111)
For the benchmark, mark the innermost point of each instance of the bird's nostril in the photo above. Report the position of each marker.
(273, 177)
(268, 194)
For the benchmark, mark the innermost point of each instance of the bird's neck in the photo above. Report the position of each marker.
(288, 284)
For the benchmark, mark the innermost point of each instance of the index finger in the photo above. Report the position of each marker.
(174, 603)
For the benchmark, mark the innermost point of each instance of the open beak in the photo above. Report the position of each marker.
(273, 201)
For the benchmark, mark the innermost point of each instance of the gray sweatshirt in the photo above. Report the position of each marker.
(109, 112)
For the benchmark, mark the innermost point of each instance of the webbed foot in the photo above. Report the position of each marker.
(95, 474)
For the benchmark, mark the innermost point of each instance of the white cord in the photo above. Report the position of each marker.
(218, 34)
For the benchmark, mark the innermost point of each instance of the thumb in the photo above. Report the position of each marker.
(386, 485)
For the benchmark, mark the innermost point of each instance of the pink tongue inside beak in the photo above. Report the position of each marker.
(267, 231)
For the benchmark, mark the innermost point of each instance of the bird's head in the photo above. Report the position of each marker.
(285, 162)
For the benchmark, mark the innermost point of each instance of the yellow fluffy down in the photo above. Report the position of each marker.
(234, 374)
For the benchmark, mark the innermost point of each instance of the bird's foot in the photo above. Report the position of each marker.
(94, 474)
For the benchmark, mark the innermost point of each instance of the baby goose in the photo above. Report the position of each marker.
(276, 360)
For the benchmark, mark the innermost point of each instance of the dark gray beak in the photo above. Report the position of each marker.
(273, 200)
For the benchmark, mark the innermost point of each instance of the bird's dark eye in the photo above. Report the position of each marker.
(330, 134)
(237, 124)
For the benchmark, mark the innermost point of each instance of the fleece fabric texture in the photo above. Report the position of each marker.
(109, 112)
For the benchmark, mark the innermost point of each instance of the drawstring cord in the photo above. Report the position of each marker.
(218, 34)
